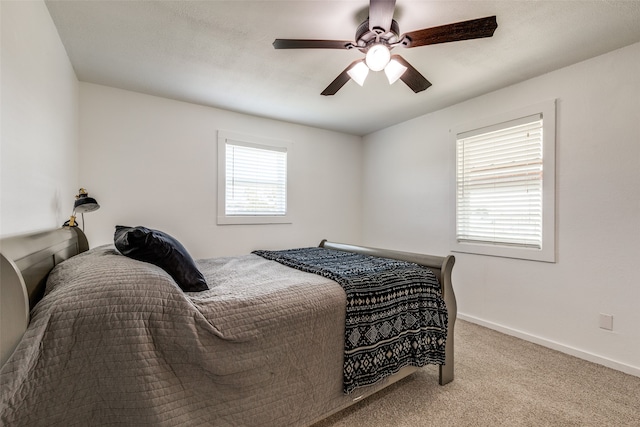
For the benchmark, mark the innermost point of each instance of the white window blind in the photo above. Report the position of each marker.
(256, 180)
(499, 198)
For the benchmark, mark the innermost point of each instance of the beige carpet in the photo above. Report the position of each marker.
(502, 381)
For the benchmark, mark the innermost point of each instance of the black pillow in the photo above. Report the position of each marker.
(158, 248)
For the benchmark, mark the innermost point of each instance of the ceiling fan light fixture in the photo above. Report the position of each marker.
(394, 70)
(358, 72)
(378, 57)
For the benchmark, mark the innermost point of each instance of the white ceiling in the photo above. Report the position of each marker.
(219, 53)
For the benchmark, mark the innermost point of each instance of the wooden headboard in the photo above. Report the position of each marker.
(26, 261)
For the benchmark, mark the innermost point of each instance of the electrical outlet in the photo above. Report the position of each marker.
(606, 321)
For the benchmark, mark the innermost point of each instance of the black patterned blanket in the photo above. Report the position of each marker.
(395, 315)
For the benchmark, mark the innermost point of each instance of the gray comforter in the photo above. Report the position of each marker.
(115, 341)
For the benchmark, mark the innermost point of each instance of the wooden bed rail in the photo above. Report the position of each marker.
(442, 268)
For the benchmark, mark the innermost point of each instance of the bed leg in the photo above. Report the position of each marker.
(446, 370)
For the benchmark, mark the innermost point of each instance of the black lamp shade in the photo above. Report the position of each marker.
(85, 204)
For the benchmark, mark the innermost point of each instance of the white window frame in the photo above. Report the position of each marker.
(226, 137)
(547, 253)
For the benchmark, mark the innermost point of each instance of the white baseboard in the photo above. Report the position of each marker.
(581, 354)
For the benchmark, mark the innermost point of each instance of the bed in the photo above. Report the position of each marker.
(115, 341)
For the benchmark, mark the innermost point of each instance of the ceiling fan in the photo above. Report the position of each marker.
(379, 34)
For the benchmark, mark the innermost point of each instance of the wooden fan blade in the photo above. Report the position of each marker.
(412, 77)
(465, 30)
(381, 14)
(339, 81)
(311, 44)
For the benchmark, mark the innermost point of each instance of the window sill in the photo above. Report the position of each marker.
(258, 219)
(529, 254)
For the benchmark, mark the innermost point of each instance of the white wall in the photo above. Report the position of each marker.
(407, 205)
(39, 107)
(152, 161)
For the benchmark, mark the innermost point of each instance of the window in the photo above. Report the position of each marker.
(252, 180)
(504, 195)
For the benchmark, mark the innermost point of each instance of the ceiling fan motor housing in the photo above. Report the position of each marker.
(366, 37)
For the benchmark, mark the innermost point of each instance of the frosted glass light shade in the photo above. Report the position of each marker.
(394, 70)
(377, 57)
(358, 72)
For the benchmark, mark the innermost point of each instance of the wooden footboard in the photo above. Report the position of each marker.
(442, 268)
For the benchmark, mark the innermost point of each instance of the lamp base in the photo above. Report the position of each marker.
(71, 222)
